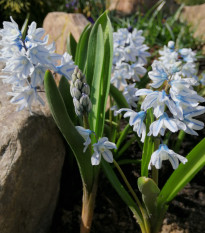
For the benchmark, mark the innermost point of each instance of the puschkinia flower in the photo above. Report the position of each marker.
(67, 66)
(129, 94)
(102, 148)
(164, 122)
(11, 30)
(27, 60)
(164, 153)
(136, 120)
(129, 55)
(24, 96)
(85, 133)
(158, 74)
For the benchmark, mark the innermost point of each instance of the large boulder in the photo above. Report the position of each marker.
(195, 15)
(59, 25)
(31, 158)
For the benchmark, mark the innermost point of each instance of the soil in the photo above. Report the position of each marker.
(186, 212)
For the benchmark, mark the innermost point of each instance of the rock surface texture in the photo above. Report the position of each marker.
(195, 15)
(59, 25)
(31, 159)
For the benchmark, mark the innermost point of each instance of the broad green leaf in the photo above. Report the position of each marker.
(64, 88)
(95, 114)
(118, 97)
(148, 147)
(71, 45)
(64, 123)
(183, 174)
(93, 57)
(81, 50)
(150, 192)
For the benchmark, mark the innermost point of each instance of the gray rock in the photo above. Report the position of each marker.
(31, 158)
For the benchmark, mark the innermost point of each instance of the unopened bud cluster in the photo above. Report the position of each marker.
(80, 91)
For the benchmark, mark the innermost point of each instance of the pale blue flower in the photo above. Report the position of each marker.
(159, 126)
(24, 96)
(10, 31)
(136, 120)
(171, 45)
(130, 53)
(85, 133)
(37, 76)
(129, 94)
(119, 78)
(142, 54)
(189, 69)
(188, 55)
(190, 98)
(118, 56)
(102, 148)
(193, 124)
(19, 64)
(121, 37)
(156, 100)
(138, 70)
(35, 35)
(39, 54)
(164, 153)
(67, 66)
(158, 74)
(136, 37)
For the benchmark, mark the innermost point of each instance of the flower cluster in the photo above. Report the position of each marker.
(129, 57)
(174, 102)
(27, 59)
(101, 148)
(80, 91)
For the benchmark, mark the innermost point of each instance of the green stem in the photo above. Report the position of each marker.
(155, 172)
(88, 205)
(179, 141)
(122, 136)
(144, 214)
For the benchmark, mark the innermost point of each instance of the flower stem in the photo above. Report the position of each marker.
(155, 172)
(144, 214)
(88, 205)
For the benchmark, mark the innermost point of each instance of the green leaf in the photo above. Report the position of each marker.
(64, 88)
(25, 26)
(98, 67)
(148, 147)
(64, 123)
(150, 192)
(71, 45)
(95, 115)
(118, 97)
(81, 50)
(183, 174)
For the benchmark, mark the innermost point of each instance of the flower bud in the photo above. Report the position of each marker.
(78, 84)
(84, 100)
(76, 93)
(74, 77)
(89, 106)
(79, 74)
(76, 70)
(77, 105)
(86, 89)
